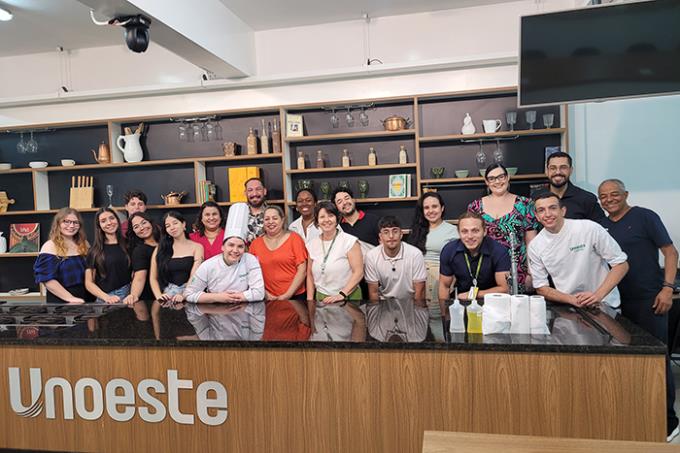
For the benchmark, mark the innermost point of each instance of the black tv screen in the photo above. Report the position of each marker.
(611, 51)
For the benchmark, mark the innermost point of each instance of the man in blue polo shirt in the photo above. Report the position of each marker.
(474, 263)
(646, 290)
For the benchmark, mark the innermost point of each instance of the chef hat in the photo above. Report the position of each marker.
(237, 221)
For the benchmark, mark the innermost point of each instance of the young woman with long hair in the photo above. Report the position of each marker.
(60, 266)
(107, 276)
(430, 234)
(173, 263)
(144, 238)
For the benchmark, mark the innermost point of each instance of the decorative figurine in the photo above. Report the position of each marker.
(5, 201)
(372, 158)
(230, 149)
(437, 172)
(468, 127)
(403, 156)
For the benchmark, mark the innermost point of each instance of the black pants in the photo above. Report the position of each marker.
(640, 311)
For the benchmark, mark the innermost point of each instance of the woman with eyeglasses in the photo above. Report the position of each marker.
(107, 273)
(60, 266)
(144, 235)
(209, 229)
(506, 217)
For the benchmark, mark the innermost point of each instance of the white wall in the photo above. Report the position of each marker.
(637, 141)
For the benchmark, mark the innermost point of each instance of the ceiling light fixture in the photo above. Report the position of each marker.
(5, 15)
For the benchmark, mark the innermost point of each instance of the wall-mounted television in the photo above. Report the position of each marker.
(600, 52)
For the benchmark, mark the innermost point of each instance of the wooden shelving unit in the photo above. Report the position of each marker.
(351, 135)
(374, 200)
(480, 179)
(18, 255)
(484, 136)
(350, 169)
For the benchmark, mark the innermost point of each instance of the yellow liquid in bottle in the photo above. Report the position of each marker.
(474, 320)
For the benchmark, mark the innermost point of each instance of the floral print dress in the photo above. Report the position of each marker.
(521, 219)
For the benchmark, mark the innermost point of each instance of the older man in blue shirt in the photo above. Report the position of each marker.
(476, 264)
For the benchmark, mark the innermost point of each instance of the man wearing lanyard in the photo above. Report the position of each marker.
(476, 264)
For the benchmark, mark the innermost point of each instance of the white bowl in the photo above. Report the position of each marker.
(5, 166)
(68, 162)
(37, 164)
(462, 173)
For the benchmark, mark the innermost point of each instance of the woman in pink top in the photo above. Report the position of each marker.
(209, 229)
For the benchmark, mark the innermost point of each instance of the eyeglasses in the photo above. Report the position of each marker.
(70, 222)
(499, 178)
(140, 225)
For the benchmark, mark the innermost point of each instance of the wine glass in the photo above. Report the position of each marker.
(335, 121)
(480, 158)
(363, 117)
(209, 131)
(530, 116)
(21, 146)
(109, 192)
(218, 130)
(196, 132)
(182, 132)
(498, 154)
(511, 119)
(32, 145)
(548, 120)
(349, 118)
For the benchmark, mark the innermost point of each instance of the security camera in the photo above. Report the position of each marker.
(136, 33)
(136, 30)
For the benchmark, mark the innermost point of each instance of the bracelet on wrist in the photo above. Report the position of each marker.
(668, 285)
(344, 296)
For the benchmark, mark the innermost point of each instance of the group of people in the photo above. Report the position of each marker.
(561, 243)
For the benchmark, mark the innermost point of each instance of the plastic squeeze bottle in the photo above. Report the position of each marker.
(474, 314)
(456, 313)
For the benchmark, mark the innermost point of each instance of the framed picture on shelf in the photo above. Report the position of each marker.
(294, 125)
(24, 237)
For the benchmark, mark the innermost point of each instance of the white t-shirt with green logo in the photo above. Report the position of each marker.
(577, 258)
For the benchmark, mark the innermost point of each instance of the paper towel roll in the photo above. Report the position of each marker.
(538, 310)
(520, 314)
(496, 314)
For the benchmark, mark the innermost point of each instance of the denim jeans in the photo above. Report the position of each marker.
(121, 292)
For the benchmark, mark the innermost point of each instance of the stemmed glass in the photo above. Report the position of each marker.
(32, 145)
(548, 120)
(498, 154)
(363, 117)
(209, 131)
(530, 116)
(218, 129)
(21, 146)
(196, 132)
(480, 157)
(182, 132)
(109, 192)
(349, 118)
(511, 119)
(335, 121)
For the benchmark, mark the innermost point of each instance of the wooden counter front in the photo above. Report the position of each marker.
(313, 400)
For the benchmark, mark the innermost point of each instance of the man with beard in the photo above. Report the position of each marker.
(256, 195)
(356, 222)
(394, 269)
(580, 203)
(475, 263)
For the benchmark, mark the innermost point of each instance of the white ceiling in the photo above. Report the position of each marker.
(42, 25)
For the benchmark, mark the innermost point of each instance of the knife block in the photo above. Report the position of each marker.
(82, 192)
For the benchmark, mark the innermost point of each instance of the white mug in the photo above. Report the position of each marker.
(491, 126)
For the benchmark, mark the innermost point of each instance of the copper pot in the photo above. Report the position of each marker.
(395, 123)
(173, 198)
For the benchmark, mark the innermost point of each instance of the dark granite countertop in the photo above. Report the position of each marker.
(388, 325)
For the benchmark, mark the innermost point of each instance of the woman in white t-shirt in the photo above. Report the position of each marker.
(336, 265)
(430, 234)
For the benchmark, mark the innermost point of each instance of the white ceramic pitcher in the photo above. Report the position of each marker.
(131, 148)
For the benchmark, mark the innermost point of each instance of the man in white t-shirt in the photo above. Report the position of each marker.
(584, 261)
(394, 269)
